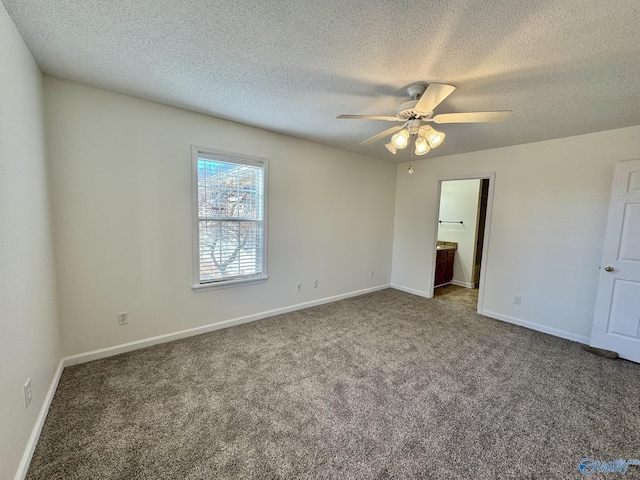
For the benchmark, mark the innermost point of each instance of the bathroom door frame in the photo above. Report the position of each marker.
(491, 176)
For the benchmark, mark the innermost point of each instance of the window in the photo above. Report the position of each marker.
(229, 218)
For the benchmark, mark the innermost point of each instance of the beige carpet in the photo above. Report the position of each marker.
(386, 385)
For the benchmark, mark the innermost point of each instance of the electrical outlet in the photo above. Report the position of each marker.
(516, 300)
(123, 318)
(371, 274)
(27, 393)
(315, 284)
(298, 287)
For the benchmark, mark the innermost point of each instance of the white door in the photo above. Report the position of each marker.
(616, 322)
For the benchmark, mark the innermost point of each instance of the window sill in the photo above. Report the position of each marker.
(227, 284)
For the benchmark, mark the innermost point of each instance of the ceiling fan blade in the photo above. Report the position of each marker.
(433, 96)
(380, 135)
(371, 117)
(472, 117)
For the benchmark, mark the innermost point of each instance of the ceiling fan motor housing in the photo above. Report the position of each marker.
(407, 111)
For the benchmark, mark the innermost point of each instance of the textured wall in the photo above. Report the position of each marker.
(120, 173)
(547, 228)
(29, 338)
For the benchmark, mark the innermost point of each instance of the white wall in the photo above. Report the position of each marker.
(29, 330)
(547, 228)
(459, 202)
(120, 173)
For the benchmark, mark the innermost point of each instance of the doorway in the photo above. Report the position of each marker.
(462, 230)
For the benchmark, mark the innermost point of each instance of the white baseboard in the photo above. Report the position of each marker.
(410, 290)
(37, 428)
(463, 284)
(148, 342)
(536, 326)
(516, 321)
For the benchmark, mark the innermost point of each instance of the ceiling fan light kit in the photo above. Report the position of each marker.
(417, 112)
(427, 138)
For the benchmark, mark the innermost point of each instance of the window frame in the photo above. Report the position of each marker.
(200, 152)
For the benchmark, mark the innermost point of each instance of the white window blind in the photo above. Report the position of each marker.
(230, 217)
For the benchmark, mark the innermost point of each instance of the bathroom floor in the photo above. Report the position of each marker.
(465, 297)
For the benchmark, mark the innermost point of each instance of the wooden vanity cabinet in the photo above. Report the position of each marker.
(444, 265)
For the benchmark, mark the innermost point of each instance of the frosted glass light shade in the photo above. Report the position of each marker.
(437, 139)
(422, 146)
(401, 139)
(434, 137)
(391, 147)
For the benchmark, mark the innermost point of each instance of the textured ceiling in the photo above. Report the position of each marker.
(563, 67)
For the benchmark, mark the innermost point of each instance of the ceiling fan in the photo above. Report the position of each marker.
(418, 112)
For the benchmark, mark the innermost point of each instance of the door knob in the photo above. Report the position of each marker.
(608, 268)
